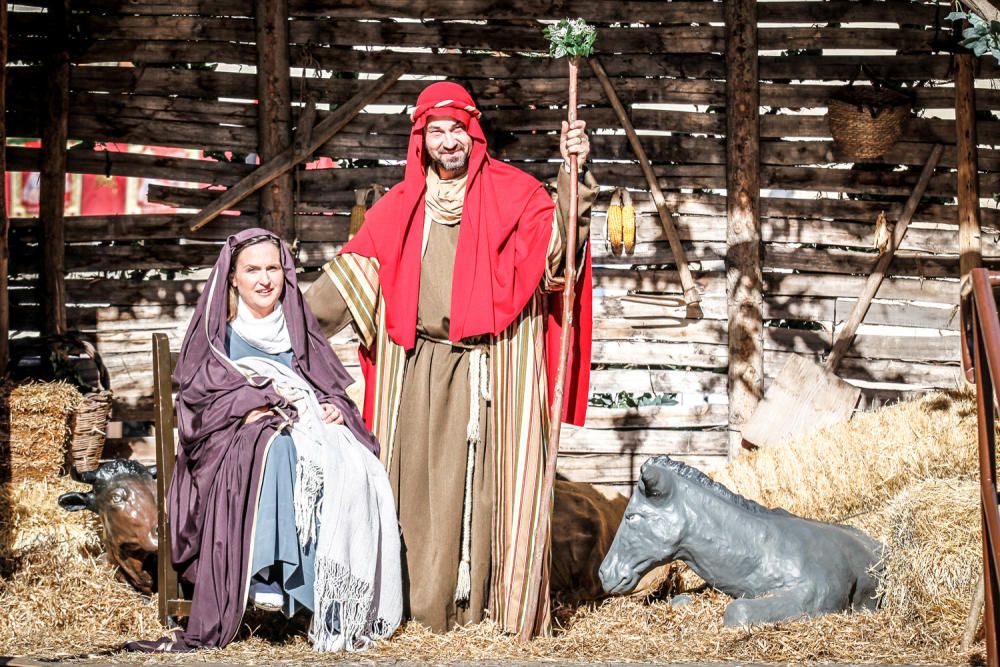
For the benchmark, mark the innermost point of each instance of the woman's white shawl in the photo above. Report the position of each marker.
(344, 505)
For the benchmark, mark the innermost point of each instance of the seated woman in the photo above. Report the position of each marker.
(278, 493)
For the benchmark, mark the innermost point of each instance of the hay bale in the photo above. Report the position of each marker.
(858, 466)
(32, 521)
(933, 553)
(40, 420)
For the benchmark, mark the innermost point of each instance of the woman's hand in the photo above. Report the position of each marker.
(331, 414)
(257, 413)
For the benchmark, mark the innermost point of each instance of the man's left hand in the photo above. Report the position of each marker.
(331, 414)
(574, 141)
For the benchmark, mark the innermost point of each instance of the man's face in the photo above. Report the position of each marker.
(448, 143)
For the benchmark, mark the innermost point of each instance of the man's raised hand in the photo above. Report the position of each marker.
(574, 140)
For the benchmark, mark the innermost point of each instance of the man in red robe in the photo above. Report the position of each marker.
(452, 285)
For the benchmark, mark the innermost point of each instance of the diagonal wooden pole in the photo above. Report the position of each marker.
(288, 158)
(875, 278)
(534, 606)
(691, 294)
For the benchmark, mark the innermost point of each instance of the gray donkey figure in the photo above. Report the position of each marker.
(778, 565)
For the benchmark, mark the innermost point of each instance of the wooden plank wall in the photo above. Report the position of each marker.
(139, 76)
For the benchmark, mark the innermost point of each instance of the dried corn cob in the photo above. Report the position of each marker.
(358, 211)
(628, 222)
(614, 230)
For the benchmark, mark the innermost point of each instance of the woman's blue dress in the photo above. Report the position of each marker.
(277, 555)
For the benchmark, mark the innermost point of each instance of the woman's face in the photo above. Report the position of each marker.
(259, 278)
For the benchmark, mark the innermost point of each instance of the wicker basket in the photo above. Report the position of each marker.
(867, 121)
(90, 427)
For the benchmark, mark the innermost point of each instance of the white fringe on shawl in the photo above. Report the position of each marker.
(344, 505)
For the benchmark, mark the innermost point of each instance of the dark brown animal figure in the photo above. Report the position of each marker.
(124, 496)
(585, 518)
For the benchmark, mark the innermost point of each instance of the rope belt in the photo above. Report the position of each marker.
(479, 391)
(444, 341)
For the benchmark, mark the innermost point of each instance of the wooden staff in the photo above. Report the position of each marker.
(555, 420)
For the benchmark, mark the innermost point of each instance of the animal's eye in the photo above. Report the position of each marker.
(632, 517)
(118, 496)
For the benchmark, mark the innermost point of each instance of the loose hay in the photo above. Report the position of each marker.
(38, 430)
(892, 478)
(58, 597)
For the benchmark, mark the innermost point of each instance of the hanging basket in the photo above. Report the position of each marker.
(90, 428)
(867, 121)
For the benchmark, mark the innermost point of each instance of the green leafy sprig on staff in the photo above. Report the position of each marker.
(571, 37)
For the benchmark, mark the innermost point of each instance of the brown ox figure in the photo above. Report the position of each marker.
(585, 519)
(124, 496)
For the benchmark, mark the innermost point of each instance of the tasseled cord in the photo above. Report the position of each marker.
(478, 387)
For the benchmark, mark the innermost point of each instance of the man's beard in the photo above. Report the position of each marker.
(452, 161)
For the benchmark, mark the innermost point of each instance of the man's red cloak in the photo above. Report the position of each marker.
(500, 260)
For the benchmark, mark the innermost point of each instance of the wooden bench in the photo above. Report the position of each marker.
(172, 603)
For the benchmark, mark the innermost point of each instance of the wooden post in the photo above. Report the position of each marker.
(52, 185)
(969, 235)
(743, 240)
(4, 215)
(274, 112)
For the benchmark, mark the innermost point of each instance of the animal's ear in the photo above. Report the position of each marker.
(655, 481)
(76, 501)
(152, 470)
(87, 477)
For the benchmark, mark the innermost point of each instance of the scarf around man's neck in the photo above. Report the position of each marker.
(445, 198)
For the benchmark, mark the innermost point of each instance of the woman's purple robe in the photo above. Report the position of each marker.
(212, 501)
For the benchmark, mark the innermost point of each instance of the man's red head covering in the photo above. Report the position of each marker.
(445, 99)
(502, 241)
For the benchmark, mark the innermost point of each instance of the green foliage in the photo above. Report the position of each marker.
(624, 399)
(571, 37)
(982, 36)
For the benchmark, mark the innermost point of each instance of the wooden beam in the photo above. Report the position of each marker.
(53, 169)
(274, 111)
(874, 281)
(969, 233)
(287, 159)
(743, 240)
(985, 8)
(4, 216)
(690, 291)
